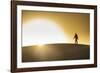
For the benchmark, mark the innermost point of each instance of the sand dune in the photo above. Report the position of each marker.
(55, 52)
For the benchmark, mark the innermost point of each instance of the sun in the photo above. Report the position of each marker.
(42, 31)
(41, 45)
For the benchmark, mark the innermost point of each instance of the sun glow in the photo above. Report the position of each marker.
(40, 44)
(41, 32)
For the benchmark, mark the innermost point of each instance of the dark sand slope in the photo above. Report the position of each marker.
(55, 52)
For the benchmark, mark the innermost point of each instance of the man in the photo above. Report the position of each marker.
(76, 38)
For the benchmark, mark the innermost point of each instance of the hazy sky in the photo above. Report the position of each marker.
(70, 23)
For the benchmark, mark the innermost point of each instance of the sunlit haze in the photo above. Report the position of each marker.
(40, 27)
(42, 31)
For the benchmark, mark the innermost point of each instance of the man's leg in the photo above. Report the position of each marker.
(76, 42)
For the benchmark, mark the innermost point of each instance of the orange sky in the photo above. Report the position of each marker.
(70, 23)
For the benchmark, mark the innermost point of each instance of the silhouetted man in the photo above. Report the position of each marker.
(76, 38)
